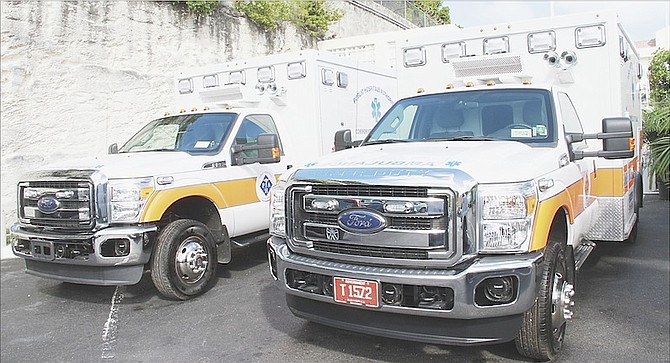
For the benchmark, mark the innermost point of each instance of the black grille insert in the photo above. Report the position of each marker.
(371, 251)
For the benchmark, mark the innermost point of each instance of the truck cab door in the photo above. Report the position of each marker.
(583, 200)
(255, 173)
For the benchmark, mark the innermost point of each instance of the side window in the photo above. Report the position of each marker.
(251, 127)
(569, 115)
(570, 118)
(400, 127)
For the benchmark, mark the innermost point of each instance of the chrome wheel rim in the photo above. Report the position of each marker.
(561, 307)
(191, 260)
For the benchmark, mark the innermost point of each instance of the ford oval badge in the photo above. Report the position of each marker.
(48, 204)
(363, 221)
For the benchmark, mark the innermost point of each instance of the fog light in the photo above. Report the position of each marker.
(500, 289)
(497, 291)
(391, 294)
(121, 248)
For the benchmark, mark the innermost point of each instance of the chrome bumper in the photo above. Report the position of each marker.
(475, 322)
(92, 268)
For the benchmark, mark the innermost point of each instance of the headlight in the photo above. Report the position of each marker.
(127, 197)
(278, 209)
(507, 212)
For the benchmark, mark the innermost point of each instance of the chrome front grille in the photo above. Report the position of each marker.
(62, 204)
(369, 190)
(416, 222)
(394, 222)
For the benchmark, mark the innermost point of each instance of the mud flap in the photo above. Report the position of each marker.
(223, 254)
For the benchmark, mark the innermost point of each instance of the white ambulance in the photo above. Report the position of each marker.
(189, 185)
(464, 214)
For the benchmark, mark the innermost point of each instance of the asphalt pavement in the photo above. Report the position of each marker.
(622, 315)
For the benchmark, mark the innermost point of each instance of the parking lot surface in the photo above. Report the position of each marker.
(622, 315)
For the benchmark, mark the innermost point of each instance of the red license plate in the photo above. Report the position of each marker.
(356, 292)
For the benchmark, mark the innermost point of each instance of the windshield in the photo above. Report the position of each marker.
(502, 114)
(199, 133)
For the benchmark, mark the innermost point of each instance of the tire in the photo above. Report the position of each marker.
(543, 329)
(184, 263)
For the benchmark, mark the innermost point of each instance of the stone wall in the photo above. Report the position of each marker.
(78, 76)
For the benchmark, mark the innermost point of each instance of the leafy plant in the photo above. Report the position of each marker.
(657, 135)
(200, 7)
(435, 9)
(659, 75)
(266, 14)
(313, 17)
(656, 126)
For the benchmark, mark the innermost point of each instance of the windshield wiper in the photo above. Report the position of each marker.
(464, 138)
(149, 150)
(385, 141)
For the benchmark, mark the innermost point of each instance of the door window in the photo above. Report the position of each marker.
(251, 127)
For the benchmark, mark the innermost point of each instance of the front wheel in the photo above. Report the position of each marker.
(184, 260)
(543, 329)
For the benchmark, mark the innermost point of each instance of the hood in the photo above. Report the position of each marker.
(133, 165)
(431, 163)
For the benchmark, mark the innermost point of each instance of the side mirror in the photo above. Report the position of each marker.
(113, 149)
(343, 140)
(621, 126)
(267, 147)
(617, 136)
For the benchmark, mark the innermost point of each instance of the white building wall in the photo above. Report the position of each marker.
(78, 76)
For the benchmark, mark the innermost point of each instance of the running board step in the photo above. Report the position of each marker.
(582, 252)
(249, 239)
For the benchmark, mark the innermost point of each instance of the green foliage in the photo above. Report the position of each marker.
(659, 75)
(313, 17)
(202, 7)
(267, 14)
(657, 121)
(435, 9)
(657, 134)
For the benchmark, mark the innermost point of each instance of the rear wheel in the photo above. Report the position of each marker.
(543, 329)
(184, 263)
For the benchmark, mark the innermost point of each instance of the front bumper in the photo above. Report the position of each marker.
(88, 266)
(464, 324)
